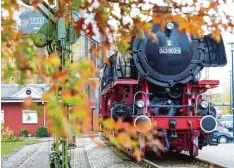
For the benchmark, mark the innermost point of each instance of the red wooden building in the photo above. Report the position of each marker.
(13, 112)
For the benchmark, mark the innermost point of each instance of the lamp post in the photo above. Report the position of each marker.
(232, 51)
(230, 91)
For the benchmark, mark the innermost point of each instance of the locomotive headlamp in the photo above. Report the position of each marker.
(170, 26)
(140, 103)
(204, 104)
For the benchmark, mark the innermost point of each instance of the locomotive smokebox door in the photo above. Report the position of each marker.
(176, 58)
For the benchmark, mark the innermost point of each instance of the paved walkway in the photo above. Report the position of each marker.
(106, 156)
(35, 155)
(40, 158)
(43, 139)
(79, 157)
(87, 154)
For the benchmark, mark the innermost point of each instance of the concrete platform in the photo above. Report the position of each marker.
(222, 154)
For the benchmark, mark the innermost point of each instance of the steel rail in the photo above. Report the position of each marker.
(208, 163)
(144, 162)
(149, 164)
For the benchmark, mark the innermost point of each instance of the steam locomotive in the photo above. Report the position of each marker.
(159, 83)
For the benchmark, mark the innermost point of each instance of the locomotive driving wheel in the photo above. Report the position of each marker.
(193, 150)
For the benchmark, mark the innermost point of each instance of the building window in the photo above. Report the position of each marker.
(30, 117)
(2, 116)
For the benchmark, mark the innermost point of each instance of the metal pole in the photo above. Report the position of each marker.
(232, 50)
(44, 111)
(232, 94)
(230, 91)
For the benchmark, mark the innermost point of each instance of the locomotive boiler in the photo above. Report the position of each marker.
(159, 83)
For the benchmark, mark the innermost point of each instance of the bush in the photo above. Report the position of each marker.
(24, 132)
(7, 134)
(42, 132)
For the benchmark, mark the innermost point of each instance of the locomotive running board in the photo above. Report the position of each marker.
(119, 82)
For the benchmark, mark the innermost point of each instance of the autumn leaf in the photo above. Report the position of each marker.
(53, 60)
(156, 19)
(17, 35)
(76, 4)
(216, 35)
(28, 102)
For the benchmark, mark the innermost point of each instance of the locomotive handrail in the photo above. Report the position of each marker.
(171, 106)
(135, 99)
(112, 113)
(197, 103)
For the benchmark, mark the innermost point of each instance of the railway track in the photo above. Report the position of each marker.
(171, 160)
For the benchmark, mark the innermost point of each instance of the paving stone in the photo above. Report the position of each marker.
(79, 157)
(105, 157)
(19, 157)
(87, 154)
(40, 158)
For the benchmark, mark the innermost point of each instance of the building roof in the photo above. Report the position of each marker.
(18, 92)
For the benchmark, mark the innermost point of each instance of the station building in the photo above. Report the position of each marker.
(15, 114)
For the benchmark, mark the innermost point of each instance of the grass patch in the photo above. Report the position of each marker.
(9, 147)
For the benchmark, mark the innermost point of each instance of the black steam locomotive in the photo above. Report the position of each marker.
(160, 83)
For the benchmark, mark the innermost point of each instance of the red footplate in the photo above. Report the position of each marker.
(182, 122)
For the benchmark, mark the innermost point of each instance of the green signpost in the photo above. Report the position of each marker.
(57, 36)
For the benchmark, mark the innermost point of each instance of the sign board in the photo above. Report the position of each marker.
(31, 21)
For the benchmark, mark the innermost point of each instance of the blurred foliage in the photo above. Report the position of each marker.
(222, 98)
(42, 132)
(9, 147)
(117, 22)
(123, 134)
(7, 135)
(24, 132)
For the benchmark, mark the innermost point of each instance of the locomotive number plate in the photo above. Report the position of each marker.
(169, 50)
